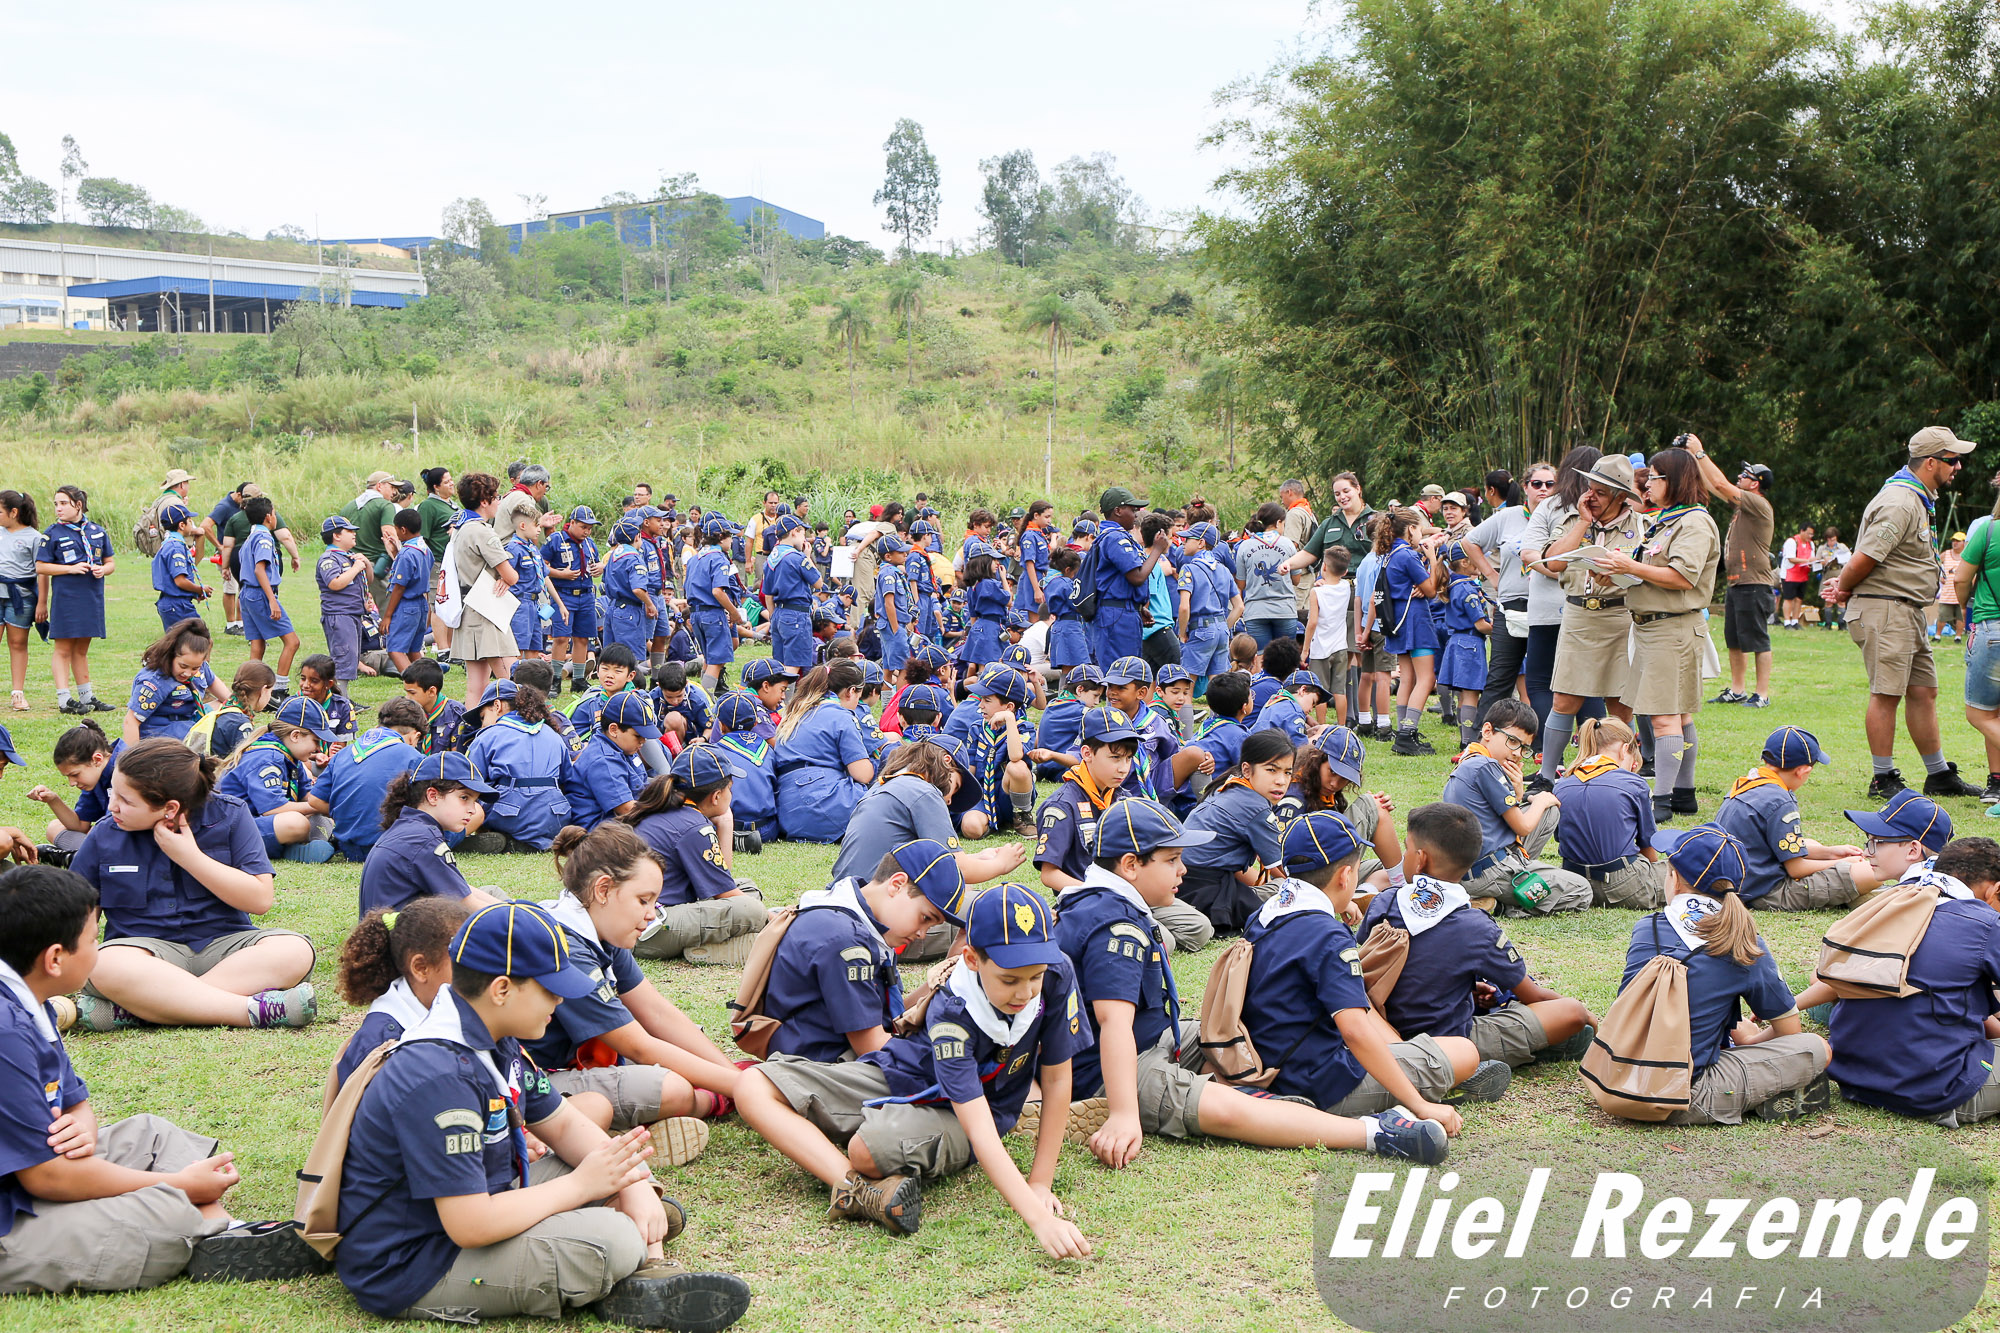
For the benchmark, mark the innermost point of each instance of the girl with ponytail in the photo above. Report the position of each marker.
(705, 914)
(1606, 833)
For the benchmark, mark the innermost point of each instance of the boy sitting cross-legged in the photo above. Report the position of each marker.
(1143, 1076)
(928, 1104)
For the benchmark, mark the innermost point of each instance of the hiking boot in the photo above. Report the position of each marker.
(1384, 731)
(1410, 743)
(484, 844)
(662, 1294)
(1086, 1118)
(1948, 783)
(1729, 696)
(1757, 701)
(1812, 1099)
(65, 1012)
(749, 841)
(1486, 1083)
(678, 1140)
(1663, 809)
(255, 1252)
(1990, 795)
(100, 1015)
(1884, 785)
(1646, 768)
(1537, 784)
(293, 1008)
(1684, 802)
(730, 953)
(48, 854)
(677, 1217)
(1573, 1049)
(1401, 1135)
(895, 1202)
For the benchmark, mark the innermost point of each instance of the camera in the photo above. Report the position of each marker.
(1680, 441)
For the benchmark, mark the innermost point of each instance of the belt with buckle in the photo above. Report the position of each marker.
(1596, 603)
(1599, 871)
(1648, 617)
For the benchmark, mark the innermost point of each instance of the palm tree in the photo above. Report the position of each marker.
(906, 298)
(849, 326)
(1057, 318)
(1221, 389)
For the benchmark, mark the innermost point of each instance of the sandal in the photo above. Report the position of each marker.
(20, 702)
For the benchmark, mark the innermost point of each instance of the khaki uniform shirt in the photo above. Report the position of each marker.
(1749, 545)
(1690, 546)
(1896, 533)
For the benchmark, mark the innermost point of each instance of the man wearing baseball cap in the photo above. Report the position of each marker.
(1121, 571)
(1746, 560)
(373, 513)
(1887, 586)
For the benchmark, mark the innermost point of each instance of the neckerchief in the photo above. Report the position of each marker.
(1006, 1031)
(294, 787)
(1425, 902)
(15, 983)
(574, 916)
(1908, 481)
(1595, 767)
(1476, 747)
(370, 741)
(844, 894)
(1763, 776)
(1948, 886)
(1099, 798)
(444, 1024)
(1687, 911)
(400, 1003)
(1295, 895)
(1667, 518)
(752, 749)
(514, 720)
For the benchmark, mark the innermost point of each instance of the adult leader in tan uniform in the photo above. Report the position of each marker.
(1886, 586)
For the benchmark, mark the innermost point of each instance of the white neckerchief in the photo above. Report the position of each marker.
(1425, 901)
(1948, 886)
(367, 494)
(1686, 912)
(572, 914)
(846, 895)
(1097, 877)
(442, 1024)
(965, 985)
(17, 984)
(1294, 895)
(401, 1004)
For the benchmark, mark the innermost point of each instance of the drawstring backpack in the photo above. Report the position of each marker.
(1640, 1066)
(1866, 954)
(1227, 1051)
(318, 1212)
(752, 1028)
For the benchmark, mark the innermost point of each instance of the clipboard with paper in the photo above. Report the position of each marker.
(1592, 558)
(488, 599)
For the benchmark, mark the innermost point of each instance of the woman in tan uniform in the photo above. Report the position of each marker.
(486, 650)
(1676, 561)
(1592, 651)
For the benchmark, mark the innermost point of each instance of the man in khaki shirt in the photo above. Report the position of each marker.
(1746, 608)
(1300, 524)
(1886, 586)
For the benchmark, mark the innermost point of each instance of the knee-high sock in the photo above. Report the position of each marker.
(1555, 740)
(1667, 766)
(1647, 741)
(1468, 723)
(1690, 746)
(654, 756)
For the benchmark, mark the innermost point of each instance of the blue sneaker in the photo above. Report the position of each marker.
(293, 1008)
(1486, 1083)
(1400, 1134)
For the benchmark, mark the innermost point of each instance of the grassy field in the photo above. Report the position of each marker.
(1191, 1236)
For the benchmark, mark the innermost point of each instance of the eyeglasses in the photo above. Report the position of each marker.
(1548, 485)
(1877, 844)
(1514, 743)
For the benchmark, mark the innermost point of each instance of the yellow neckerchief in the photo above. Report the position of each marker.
(1764, 776)
(1476, 747)
(1594, 767)
(1080, 775)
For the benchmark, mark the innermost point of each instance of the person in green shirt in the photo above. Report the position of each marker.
(373, 514)
(437, 509)
(1977, 581)
(1349, 525)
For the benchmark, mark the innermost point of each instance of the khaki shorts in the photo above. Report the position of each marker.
(1188, 926)
(1665, 677)
(1423, 1062)
(121, 1243)
(1170, 1090)
(1895, 647)
(199, 964)
(1512, 1033)
(230, 585)
(1981, 1105)
(1375, 662)
(1744, 1077)
(922, 1141)
(633, 1090)
(1641, 886)
(687, 926)
(1332, 671)
(1592, 653)
(1831, 887)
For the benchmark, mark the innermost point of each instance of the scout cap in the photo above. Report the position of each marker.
(1303, 679)
(499, 689)
(1012, 926)
(1431, 492)
(1142, 826)
(176, 477)
(871, 673)
(450, 766)
(1017, 620)
(1707, 856)
(1614, 474)
(787, 524)
(517, 939)
(1173, 673)
(7, 750)
(583, 514)
(1017, 655)
(702, 765)
(766, 669)
(1101, 726)
(1129, 671)
(1002, 682)
(930, 655)
(1939, 442)
(1458, 497)
(737, 711)
(933, 868)
(1087, 674)
(1117, 497)
(890, 544)
(299, 711)
(921, 697)
(1762, 475)
(1343, 752)
(951, 745)
(629, 708)
(1788, 747)
(715, 525)
(1319, 839)
(172, 516)
(330, 526)
(1907, 818)
(1206, 534)
(625, 529)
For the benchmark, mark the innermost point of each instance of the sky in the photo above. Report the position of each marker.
(371, 117)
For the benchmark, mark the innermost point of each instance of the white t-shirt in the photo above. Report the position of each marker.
(1036, 641)
(1330, 629)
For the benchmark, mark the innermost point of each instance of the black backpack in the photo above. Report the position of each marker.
(1086, 584)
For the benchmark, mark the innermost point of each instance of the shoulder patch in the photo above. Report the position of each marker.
(860, 953)
(1352, 957)
(458, 1120)
(1791, 816)
(950, 1030)
(1127, 928)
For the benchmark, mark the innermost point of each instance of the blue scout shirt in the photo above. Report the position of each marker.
(694, 705)
(602, 1011)
(1607, 814)
(690, 855)
(442, 733)
(1927, 1053)
(412, 573)
(708, 571)
(603, 778)
(1714, 985)
(352, 783)
(1247, 833)
(1060, 592)
(954, 1060)
(1060, 729)
(1434, 994)
(529, 763)
(888, 815)
(1159, 741)
(1405, 621)
(892, 585)
(1208, 585)
(1465, 606)
(94, 803)
(1035, 552)
(827, 737)
(1481, 786)
(583, 714)
(1305, 969)
(789, 578)
(625, 573)
(1066, 829)
(348, 601)
(1222, 737)
(76, 601)
(37, 1084)
(164, 705)
(1116, 953)
(1765, 818)
(376, 1027)
(1118, 554)
(410, 859)
(1284, 714)
(144, 895)
(432, 1125)
(173, 560)
(528, 567)
(562, 551)
(753, 798)
(833, 974)
(1263, 686)
(965, 720)
(261, 548)
(265, 777)
(339, 710)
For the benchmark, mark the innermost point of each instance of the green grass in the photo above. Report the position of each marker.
(1199, 1235)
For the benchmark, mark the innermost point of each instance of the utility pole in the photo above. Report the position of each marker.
(211, 284)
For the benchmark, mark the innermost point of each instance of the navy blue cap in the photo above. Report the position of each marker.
(1343, 752)
(1017, 655)
(715, 525)
(1101, 726)
(931, 655)
(788, 524)
(1087, 674)
(1017, 620)
(1013, 926)
(625, 529)
(1789, 747)
(1128, 671)
(299, 711)
(1303, 679)
(871, 673)
(1706, 856)
(1907, 818)
(932, 697)
(890, 544)
(922, 528)
(173, 515)
(1084, 527)
(978, 547)
(331, 525)
(1318, 839)
(738, 711)
(519, 939)
(933, 868)
(951, 745)
(1002, 682)
(451, 766)
(499, 689)
(702, 765)
(7, 750)
(1173, 673)
(1452, 552)
(1141, 825)
(766, 669)
(583, 514)
(629, 708)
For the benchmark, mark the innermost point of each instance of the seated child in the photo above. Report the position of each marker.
(432, 1229)
(393, 963)
(1464, 978)
(926, 1105)
(878, 741)
(1292, 708)
(250, 693)
(768, 682)
(683, 706)
(1161, 765)
(1281, 658)
(527, 764)
(1513, 825)
(1777, 1072)
(1229, 874)
(834, 989)
(1785, 870)
(412, 857)
(541, 675)
(617, 669)
(84, 1206)
(704, 914)
(349, 789)
(1173, 700)
(172, 681)
(180, 869)
(1606, 833)
(607, 777)
(85, 756)
(1057, 730)
(271, 776)
(822, 763)
(999, 750)
(317, 682)
(1145, 1074)
(753, 796)
(1066, 823)
(1329, 778)
(423, 680)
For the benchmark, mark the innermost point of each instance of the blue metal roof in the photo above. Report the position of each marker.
(269, 291)
(638, 220)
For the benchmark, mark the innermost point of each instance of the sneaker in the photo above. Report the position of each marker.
(100, 1015)
(236, 629)
(1030, 1123)
(99, 706)
(255, 1252)
(1645, 768)
(1086, 1118)
(895, 1202)
(1729, 696)
(484, 843)
(65, 1012)
(74, 706)
(1884, 785)
(1812, 1099)
(1385, 731)
(1401, 1135)
(1684, 802)
(1410, 743)
(1573, 1049)
(678, 1140)
(1486, 1083)
(1992, 792)
(293, 1008)
(1756, 701)
(730, 953)
(277, 700)
(48, 854)
(1948, 783)
(662, 1294)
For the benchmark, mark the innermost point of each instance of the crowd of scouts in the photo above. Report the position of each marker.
(488, 1128)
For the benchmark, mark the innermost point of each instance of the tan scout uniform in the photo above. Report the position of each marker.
(1591, 656)
(1885, 616)
(1668, 624)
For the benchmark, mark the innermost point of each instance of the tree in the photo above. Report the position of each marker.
(166, 217)
(289, 231)
(910, 187)
(906, 298)
(849, 328)
(1060, 320)
(318, 337)
(110, 202)
(465, 221)
(536, 206)
(25, 199)
(1166, 436)
(1014, 203)
(1219, 389)
(842, 252)
(1090, 197)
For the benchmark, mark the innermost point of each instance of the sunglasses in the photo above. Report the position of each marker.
(1542, 485)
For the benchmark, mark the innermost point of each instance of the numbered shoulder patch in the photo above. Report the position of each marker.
(948, 1041)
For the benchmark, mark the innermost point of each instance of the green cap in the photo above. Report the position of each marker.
(1117, 496)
